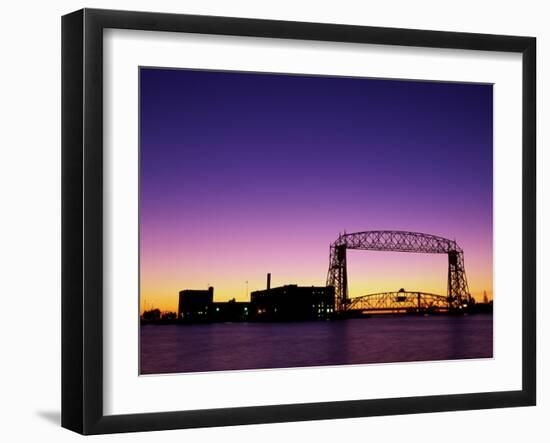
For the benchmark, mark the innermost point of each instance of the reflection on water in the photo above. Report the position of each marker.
(216, 347)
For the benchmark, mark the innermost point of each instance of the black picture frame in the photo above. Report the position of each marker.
(82, 215)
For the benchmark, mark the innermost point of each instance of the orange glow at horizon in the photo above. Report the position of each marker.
(368, 272)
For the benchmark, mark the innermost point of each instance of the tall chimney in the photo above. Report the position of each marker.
(268, 281)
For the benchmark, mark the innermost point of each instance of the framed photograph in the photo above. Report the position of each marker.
(268, 221)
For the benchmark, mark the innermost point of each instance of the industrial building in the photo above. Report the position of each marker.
(195, 305)
(292, 303)
(284, 303)
(198, 306)
(230, 311)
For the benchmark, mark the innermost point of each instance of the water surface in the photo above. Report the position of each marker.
(383, 339)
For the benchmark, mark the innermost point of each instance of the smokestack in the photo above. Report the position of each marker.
(268, 281)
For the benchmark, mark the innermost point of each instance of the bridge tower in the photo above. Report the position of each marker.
(338, 275)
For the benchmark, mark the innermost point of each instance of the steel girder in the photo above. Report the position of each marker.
(399, 301)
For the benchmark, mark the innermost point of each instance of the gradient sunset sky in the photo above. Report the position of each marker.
(246, 173)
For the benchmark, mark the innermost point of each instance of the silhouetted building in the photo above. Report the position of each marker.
(285, 303)
(292, 303)
(231, 311)
(195, 304)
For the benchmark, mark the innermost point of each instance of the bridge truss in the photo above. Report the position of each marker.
(399, 302)
(397, 241)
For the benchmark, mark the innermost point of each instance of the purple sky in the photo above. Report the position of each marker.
(245, 173)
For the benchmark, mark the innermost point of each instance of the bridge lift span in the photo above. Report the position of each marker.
(399, 302)
(398, 241)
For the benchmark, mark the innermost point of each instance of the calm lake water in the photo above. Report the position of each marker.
(227, 346)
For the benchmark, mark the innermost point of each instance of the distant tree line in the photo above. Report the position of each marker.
(157, 314)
